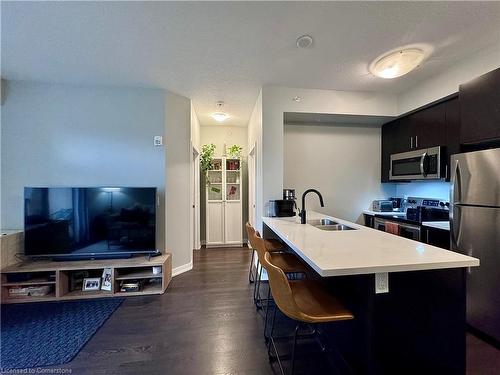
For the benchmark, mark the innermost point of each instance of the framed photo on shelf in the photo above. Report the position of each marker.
(91, 283)
(106, 279)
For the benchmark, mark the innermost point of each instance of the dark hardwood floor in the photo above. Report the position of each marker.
(206, 323)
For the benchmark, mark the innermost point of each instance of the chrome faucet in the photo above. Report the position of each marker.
(302, 213)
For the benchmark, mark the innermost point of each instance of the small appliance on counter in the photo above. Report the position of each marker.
(382, 205)
(387, 205)
(281, 208)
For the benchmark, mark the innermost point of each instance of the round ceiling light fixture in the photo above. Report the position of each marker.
(220, 116)
(296, 99)
(397, 63)
(304, 41)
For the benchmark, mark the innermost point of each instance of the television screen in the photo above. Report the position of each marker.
(89, 222)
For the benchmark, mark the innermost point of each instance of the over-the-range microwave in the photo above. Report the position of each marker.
(424, 164)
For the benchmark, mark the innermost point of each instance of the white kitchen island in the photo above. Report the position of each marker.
(415, 323)
(362, 250)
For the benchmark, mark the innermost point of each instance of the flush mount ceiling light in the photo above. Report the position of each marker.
(297, 99)
(397, 63)
(304, 41)
(219, 116)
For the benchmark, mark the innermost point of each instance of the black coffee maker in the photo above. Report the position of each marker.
(289, 194)
(283, 207)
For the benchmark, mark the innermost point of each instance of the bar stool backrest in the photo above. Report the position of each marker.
(250, 232)
(278, 282)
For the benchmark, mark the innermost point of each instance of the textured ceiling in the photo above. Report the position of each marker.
(210, 51)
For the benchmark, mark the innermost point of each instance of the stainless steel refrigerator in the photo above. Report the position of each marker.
(475, 231)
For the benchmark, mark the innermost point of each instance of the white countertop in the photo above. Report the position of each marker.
(361, 251)
(444, 225)
(391, 213)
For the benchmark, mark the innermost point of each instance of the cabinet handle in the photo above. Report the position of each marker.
(411, 142)
(416, 141)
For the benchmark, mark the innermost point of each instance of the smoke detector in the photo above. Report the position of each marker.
(304, 41)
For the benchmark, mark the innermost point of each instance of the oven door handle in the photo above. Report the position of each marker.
(422, 164)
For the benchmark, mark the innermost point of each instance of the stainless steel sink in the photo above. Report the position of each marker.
(334, 227)
(328, 224)
(316, 222)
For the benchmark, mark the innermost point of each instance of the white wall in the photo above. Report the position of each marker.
(218, 135)
(178, 179)
(85, 136)
(277, 100)
(341, 161)
(448, 82)
(195, 129)
(66, 135)
(255, 140)
(229, 135)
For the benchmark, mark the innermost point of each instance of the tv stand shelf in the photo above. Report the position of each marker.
(136, 268)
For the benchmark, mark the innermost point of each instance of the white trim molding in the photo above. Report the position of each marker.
(181, 269)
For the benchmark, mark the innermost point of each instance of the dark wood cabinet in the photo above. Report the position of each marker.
(429, 126)
(436, 237)
(395, 138)
(422, 129)
(452, 114)
(480, 109)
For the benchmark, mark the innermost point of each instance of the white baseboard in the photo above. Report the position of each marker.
(181, 269)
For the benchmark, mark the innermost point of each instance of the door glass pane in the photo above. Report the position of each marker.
(215, 192)
(215, 177)
(232, 164)
(233, 177)
(233, 192)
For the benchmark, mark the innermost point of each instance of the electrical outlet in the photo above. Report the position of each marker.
(381, 283)
(158, 140)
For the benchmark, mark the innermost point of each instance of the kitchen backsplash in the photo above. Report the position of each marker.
(427, 189)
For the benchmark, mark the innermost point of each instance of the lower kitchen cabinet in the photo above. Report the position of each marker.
(436, 237)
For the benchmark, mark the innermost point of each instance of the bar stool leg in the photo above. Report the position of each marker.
(266, 338)
(256, 295)
(251, 276)
(292, 365)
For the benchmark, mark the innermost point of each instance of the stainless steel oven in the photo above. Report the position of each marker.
(424, 164)
(405, 230)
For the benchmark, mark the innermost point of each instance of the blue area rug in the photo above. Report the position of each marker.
(50, 333)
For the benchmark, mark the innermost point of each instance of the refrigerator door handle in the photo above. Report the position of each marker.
(456, 184)
(455, 228)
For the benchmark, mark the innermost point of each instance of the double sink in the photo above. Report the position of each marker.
(328, 224)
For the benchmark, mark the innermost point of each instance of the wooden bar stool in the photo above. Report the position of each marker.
(271, 245)
(290, 263)
(305, 301)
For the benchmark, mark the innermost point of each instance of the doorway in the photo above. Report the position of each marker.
(252, 162)
(195, 199)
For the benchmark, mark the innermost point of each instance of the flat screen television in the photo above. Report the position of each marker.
(89, 222)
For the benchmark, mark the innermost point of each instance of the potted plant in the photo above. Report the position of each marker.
(206, 160)
(234, 152)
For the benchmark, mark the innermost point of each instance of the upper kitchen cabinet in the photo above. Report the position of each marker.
(429, 127)
(480, 109)
(437, 125)
(395, 138)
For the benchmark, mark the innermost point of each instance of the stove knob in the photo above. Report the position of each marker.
(447, 204)
(441, 204)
